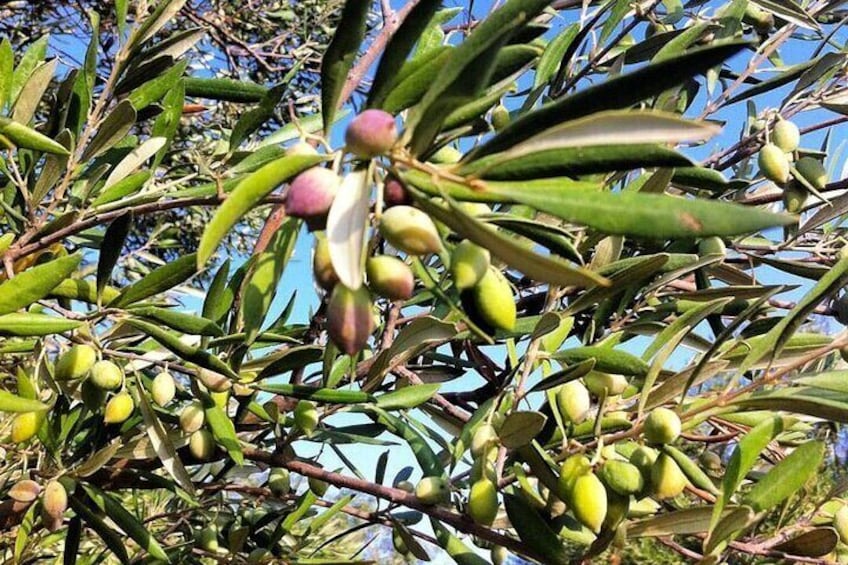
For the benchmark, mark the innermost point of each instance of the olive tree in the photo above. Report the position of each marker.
(569, 297)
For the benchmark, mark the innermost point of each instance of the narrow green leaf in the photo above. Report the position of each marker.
(322, 395)
(12, 403)
(184, 351)
(254, 118)
(27, 325)
(126, 521)
(7, 64)
(339, 56)
(180, 321)
(35, 283)
(458, 551)
(28, 138)
(606, 359)
(134, 160)
(112, 130)
(110, 249)
(224, 89)
(789, 11)
(164, 12)
(552, 58)
(787, 477)
(689, 521)
(110, 537)
(223, 429)
(407, 397)
(32, 92)
(247, 194)
(616, 93)
(817, 542)
(534, 530)
(32, 58)
(520, 428)
(159, 280)
(398, 49)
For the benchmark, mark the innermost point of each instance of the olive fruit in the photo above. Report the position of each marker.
(107, 375)
(322, 268)
(483, 502)
(710, 460)
(395, 193)
(794, 196)
(119, 408)
(431, 490)
(410, 230)
(573, 467)
(813, 172)
(371, 133)
(484, 437)
(279, 481)
(201, 445)
(390, 277)
(600, 383)
(446, 155)
(494, 301)
(350, 318)
(500, 117)
(667, 480)
(311, 194)
(306, 416)
(405, 486)
(773, 163)
(589, 501)
(469, 263)
(712, 246)
(25, 425)
(622, 477)
(75, 363)
(499, 555)
(785, 135)
(163, 388)
(54, 502)
(643, 458)
(761, 20)
(318, 486)
(662, 426)
(192, 417)
(25, 490)
(840, 523)
(573, 401)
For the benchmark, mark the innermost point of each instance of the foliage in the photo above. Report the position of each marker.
(583, 343)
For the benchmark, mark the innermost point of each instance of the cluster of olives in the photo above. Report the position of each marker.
(776, 159)
(599, 495)
(486, 294)
(54, 500)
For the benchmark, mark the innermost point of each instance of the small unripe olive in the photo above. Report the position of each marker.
(390, 277)
(446, 155)
(484, 437)
(306, 416)
(794, 196)
(622, 477)
(209, 539)
(201, 445)
(662, 426)
(318, 486)
(25, 425)
(600, 383)
(840, 523)
(25, 490)
(644, 458)
(786, 135)
(405, 486)
(494, 300)
(75, 363)
(573, 401)
(371, 133)
(163, 388)
(119, 408)
(574, 466)
(469, 263)
(813, 172)
(667, 480)
(279, 481)
(712, 246)
(311, 193)
(589, 501)
(710, 460)
(107, 375)
(192, 417)
(410, 230)
(773, 163)
(54, 502)
(431, 490)
(500, 555)
(322, 268)
(500, 117)
(483, 502)
(350, 318)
